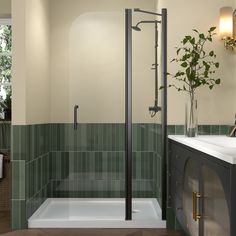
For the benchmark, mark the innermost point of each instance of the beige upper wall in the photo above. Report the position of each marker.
(91, 74)
(33, 97)
(217, 106)
(38, 61)
(31, 53)
(5, 8)
(18, 63)
(40, 46)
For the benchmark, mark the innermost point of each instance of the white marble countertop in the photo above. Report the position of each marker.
(221, 147)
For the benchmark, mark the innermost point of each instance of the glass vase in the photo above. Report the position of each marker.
(191, 112)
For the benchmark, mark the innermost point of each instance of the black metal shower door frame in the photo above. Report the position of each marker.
(128, 114)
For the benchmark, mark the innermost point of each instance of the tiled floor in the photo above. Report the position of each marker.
(4, 222)
(95, 232)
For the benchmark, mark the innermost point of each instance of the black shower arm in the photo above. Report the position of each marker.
(147, 12)
(148, 22)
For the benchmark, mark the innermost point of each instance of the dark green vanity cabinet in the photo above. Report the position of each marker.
(202, 191)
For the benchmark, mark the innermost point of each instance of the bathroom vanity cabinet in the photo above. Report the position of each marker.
(202, 191)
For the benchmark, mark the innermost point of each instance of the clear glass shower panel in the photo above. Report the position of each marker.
(90, 162)
(146, 126)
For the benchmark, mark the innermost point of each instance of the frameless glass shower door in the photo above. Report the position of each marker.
(93, 163)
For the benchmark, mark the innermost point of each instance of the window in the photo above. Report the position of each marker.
(5, 68)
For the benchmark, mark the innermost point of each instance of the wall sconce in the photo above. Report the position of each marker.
(227, 27)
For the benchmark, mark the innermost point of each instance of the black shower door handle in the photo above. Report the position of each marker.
(76, 107)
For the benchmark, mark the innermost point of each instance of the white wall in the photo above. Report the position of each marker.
(5, 8)
(87, 61)
(217, 106)
(31, 48)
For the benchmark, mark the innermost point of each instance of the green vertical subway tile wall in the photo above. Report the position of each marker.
(101, 174)
(202, 129)
(101, 137)
(37, 182)
(30, 170)
(54, 160)
(97, 150)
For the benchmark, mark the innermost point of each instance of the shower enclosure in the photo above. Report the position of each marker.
(108, 159)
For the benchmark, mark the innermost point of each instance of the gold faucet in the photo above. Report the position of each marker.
(233, 132)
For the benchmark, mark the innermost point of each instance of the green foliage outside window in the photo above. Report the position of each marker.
(5, 66)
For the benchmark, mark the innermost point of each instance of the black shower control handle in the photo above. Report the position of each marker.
(76, 107)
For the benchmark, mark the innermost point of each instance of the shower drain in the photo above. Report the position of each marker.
(135, 211)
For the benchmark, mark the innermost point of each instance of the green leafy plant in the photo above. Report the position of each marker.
(6, 103)
(5, 52)
(197, 66)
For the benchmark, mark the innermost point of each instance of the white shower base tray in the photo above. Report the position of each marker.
(96, 213)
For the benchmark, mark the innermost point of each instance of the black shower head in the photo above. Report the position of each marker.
(136, 28)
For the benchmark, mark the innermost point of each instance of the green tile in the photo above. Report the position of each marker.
(135, 137)
(224, 130)
(16, 150)
(32, 142)
(100, 137)
(34, 172)
(31, 179)
(204, 129)
(179, 130)
(143, 137)
(18, 215)
(171, 129)
(215, 130)
(39, 174)
(18, 179)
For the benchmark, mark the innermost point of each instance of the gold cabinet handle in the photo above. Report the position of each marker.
(196, 197)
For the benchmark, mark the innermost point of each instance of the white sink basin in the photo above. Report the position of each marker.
(222, 141)
(221, 147)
